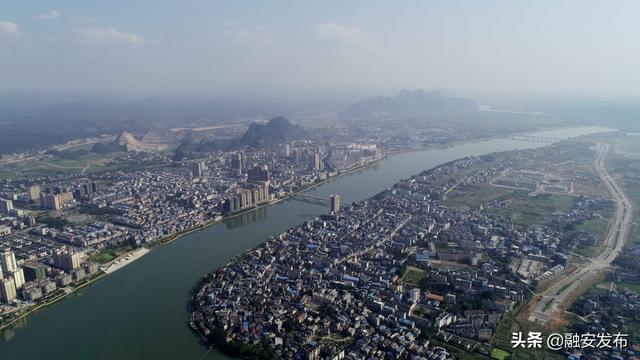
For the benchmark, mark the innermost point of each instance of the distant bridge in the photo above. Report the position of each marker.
(316, 200)
(539, 139)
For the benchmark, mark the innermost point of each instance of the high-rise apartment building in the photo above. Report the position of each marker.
(314, 161)
(34, 192)
(246, 198)
(239, 161)
(7, 290)
(34, 272)
(335, 204)
(6, 206)
(197, 168)
(87, 189)
(67, 260)
(50, 201)
(9, 263)
(18, 278)
(259, 174)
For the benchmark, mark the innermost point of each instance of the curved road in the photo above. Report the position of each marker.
(549, 301)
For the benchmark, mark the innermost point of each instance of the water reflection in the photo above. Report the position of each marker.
(9, 333)
(247, 218)
(139, 310)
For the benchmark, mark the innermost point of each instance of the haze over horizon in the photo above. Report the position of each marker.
(288, 48)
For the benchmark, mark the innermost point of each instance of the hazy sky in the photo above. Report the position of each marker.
(268, 46)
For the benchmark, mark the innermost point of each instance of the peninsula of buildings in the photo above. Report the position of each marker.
(430, 268)
(448, 252)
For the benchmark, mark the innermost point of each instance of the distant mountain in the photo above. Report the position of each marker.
(276, 131)
(189, 148)
(129, 141)
(409, 104)
(38, 121)
(159, 136)
(107, 147)
(259, 135)
(153, 140)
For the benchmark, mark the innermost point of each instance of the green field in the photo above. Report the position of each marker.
(457, 352)
(631, 286)
(71, 162)
(502, 337)
(567, 152)
(598, 226)
(598, 288)
(68, 162)
(475, 195)
(109, 254)
(54, 222)
(499, 354)
(413, 276)
(522, 209)
(525, 211)
(512, 322)
(102, 214)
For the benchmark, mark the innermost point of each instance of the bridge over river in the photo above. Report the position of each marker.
(532, 138)
(315, 200)
(139, 311)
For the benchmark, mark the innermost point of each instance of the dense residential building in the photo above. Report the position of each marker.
(247, 198)
(239, 161)
(7, 290)
(6, 206)
(33, 272)
(86, 189)
(34, 192)
(312, 274)
(315, 161)
(18, 278)
(335, 204)
(197, 168)
(10, 268)
(5, 230)
(67, 260)
(259, 174)
(8, 261)
(50, 201)
(400, 264)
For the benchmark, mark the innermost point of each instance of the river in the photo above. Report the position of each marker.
(140, 311)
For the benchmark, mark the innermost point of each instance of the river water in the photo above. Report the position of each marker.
(140, 311)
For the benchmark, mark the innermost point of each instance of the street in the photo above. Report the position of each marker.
(550, 300)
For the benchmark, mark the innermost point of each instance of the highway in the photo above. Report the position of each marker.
(545, 304)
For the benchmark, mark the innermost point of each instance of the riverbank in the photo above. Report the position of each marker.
(222, 299)
(30, 309)
(212, 222)
(170, 238)
(130, 257)
(144, 304)
(138, 253)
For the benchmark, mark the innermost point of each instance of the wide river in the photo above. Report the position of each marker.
(140, 311)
